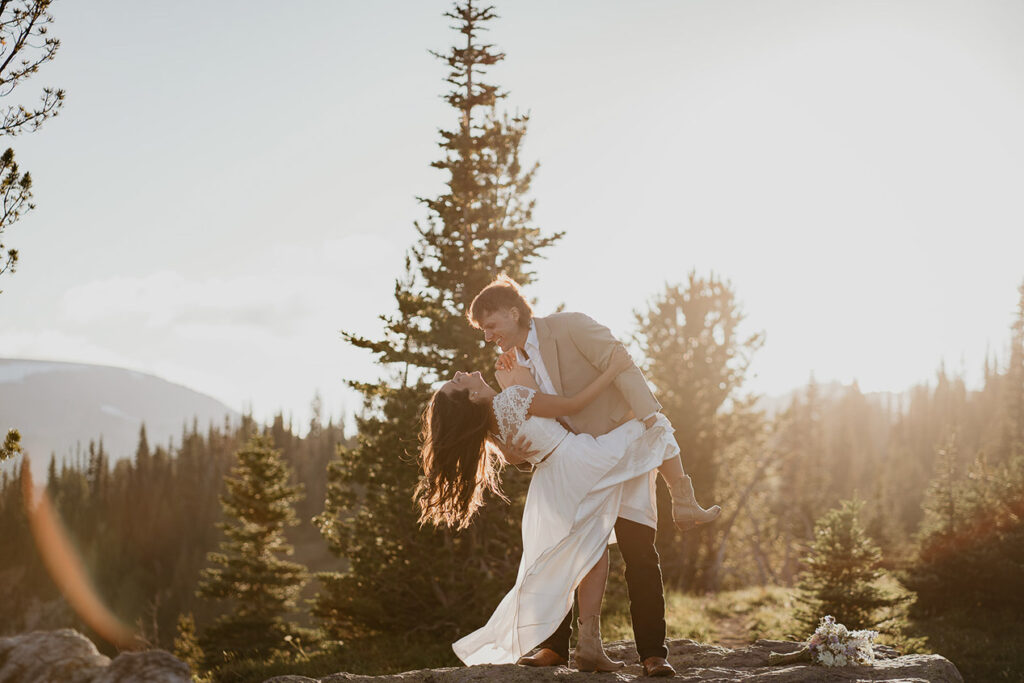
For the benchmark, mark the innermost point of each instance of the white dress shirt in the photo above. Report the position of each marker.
(535, 363)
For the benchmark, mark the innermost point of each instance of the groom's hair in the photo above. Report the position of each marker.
(502, 293)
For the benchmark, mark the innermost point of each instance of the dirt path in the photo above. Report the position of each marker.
(731, 632)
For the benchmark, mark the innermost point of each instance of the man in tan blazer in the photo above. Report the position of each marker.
(565, 352)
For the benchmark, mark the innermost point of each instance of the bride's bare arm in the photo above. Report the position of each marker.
(549, 405)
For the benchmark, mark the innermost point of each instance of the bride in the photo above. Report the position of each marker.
(571, 505)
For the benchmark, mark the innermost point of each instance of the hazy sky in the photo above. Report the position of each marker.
(232, 183)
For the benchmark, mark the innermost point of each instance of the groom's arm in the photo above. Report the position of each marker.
(597, 344)
(516, 453)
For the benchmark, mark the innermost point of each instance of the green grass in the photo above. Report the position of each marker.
(762, 612)
(728, 617)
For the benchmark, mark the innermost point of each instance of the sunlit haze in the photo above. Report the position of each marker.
(231, 184)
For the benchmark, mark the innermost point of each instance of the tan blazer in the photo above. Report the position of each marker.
(576, 349)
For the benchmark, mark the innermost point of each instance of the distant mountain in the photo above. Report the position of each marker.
(60, 406)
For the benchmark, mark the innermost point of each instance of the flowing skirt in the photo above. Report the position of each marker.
(568, 520)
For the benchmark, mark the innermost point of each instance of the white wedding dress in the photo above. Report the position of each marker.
(568, 521)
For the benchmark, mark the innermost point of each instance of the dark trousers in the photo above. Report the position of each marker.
(646, 593)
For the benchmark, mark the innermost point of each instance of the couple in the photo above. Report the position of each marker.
(592, 484)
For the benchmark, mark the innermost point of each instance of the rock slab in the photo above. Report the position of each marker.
(67, 655)
(693, 661)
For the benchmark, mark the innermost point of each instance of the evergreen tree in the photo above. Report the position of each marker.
(142, 453)
(698, 360)
(261, 587)
(970, 549)
(145, 539)
(186, 643)
(25, 584)
(1013, 441)
(399, 576)
(25, 45)
(971, 543)
(11, 445)
(803, 482)
(841, 574)
(944, 505)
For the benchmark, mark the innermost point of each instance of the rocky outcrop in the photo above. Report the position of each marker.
(67, 655)
(693, 662)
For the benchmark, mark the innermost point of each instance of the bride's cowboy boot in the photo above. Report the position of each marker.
(686, 511)
(590, 654)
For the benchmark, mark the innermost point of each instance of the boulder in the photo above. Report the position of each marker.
(67, 655)
(693, 661)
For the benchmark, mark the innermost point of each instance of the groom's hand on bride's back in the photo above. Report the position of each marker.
(517, 452)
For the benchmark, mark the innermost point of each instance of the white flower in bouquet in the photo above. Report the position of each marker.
(833, 644)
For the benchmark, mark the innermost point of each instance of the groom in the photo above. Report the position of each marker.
(564, 352)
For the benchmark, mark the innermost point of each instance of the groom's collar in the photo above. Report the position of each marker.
(540, 334)
(531, 338)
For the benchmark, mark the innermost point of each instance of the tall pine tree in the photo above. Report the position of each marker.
(260, 586)
(697, 358)
(1013, 441)
(402, 578)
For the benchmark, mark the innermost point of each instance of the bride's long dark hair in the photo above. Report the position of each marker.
(459, 465)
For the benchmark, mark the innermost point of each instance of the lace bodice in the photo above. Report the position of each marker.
(510, 408)
(542, 433)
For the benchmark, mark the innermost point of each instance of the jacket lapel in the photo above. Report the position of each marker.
(549, 352)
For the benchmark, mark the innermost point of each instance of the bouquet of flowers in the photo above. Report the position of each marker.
(832, 644)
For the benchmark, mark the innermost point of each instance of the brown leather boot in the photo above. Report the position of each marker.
(543, 657)
(658, 667)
